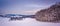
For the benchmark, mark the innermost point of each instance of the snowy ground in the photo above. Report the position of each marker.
(25, 22)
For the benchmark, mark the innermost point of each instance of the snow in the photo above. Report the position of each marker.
(25, 22)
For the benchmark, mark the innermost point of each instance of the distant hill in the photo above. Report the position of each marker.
(17, 15)
(51, 14)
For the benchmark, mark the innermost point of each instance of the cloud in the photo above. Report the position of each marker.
(29, 12)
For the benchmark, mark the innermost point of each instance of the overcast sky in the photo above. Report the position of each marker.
(24, 6)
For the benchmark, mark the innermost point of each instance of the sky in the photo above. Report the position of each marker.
(24, 6)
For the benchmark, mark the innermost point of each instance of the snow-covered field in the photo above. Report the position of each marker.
(25, 22)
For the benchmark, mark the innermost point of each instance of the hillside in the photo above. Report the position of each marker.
(51, 14)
